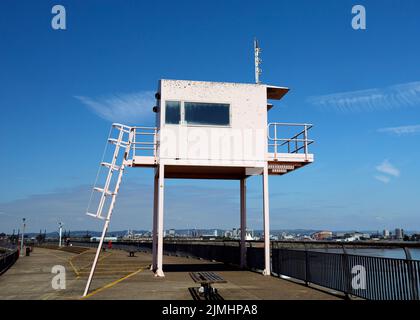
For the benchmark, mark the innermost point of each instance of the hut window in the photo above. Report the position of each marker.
(207, 113)
(173, 112)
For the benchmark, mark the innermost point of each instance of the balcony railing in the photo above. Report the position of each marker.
(282, 138)
(298, 143)
(142, 139)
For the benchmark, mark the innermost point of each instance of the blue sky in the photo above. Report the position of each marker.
(61, 89)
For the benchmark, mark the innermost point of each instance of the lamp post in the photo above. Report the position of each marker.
(60, 226)
(23, 236)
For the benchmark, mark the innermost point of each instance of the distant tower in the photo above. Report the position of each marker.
(399, 234)
(258, 70)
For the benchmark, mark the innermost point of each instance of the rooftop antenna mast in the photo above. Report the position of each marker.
(258, 61)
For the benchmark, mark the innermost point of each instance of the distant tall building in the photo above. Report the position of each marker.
(215, 233)
(399, 234)
(386, 233)
(195, 233)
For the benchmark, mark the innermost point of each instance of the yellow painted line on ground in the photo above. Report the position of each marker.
(74, 268)
(107, 273)
(81, 254)
(90, 264)
(70, 261)
(77, 271)
(109, 285)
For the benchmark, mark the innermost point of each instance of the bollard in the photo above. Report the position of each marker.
(28, 251)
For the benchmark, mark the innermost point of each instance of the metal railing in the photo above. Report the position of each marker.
(298, 143)
(143, 139)
(8, 258)
(368, 277)
(385, 278)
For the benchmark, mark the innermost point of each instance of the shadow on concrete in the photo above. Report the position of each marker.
(199, 267)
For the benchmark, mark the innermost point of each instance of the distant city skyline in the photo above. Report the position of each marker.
(385, 232)
(61, 89)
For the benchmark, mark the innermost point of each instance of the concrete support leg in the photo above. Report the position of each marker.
(266, 209)
(243, 223)
(161, 187)
(153, 267)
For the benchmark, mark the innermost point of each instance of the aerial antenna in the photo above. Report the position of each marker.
(258, 70)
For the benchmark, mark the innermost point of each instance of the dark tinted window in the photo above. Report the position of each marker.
(173, 112)
(207, 113)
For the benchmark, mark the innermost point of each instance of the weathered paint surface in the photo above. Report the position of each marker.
(244, 142)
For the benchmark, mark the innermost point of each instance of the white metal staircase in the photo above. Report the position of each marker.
(109, 191)
(129, 144)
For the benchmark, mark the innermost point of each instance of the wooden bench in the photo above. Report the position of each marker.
(206, 279)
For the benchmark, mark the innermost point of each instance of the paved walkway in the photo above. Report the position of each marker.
(121, 277)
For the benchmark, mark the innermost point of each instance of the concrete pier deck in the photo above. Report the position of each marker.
(119, 276)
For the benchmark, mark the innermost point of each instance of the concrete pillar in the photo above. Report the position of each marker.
(266, 210)
(161, 187)
(155, 219)
(243, 223)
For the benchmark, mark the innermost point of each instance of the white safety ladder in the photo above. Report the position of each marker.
(109, 191)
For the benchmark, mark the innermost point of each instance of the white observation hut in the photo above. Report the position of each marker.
(204, 130)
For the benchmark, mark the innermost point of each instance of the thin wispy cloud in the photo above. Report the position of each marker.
(386, 171)
(387, 168)
(402, 130)
(383, 179)
(392, 97)
(126, 108)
